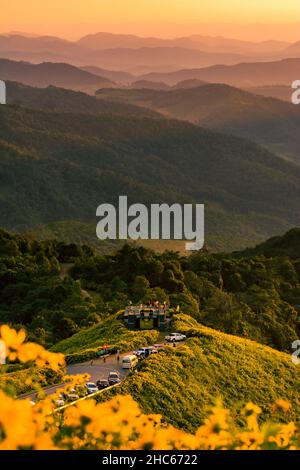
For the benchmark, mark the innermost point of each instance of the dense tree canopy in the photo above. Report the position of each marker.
(55, 289)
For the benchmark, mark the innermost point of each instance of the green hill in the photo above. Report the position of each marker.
(265, 120)
(55, 290)
(286, 245)
(76, 232)
(183, 383)
(67, 164)
(51, 73)
(68, 101)
(111, 331)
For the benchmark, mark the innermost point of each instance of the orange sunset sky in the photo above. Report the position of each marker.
(246, 19)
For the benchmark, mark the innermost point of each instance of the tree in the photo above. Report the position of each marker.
(140, 288)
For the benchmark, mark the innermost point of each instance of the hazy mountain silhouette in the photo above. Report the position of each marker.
(192, 83)
(114, 75)
(245, 74)
(153, 57)
(69, 101)
(293, 50)
(281, 92)
(269, 121)
(145, 84)
(101, 40)
(137, 54)
(44, 74)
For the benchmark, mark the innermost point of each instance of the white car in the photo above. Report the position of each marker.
(152, 350)
(174, 337)
(91, 388)
(140, 352)
(72, 397)
(59, 402)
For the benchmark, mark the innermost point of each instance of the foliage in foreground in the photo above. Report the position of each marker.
(28, 378)
(119, 423)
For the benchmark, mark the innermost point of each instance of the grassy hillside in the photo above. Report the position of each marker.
(67, 164)
(112, 331)
(265, 120)
(183, 383)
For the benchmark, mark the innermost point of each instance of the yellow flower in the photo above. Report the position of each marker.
(28, 352)
(252, 408)
(12, 338)
(282, 405)
(119, 423)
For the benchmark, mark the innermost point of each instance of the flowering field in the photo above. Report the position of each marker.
(183, 383)
(84, 344)
(119, 423)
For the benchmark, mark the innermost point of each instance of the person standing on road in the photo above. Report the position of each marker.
(92, 362)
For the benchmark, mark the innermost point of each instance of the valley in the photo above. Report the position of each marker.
(132, 343)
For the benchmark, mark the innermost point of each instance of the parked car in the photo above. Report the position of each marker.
(114, 378)
(72, 397)
(91, 388)
(102, 383)
(174, 337)
(59, 402)
(129, 362)
(152, 350)
(141, 352)
(158, 347)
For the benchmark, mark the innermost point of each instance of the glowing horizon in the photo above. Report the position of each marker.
(250, 19)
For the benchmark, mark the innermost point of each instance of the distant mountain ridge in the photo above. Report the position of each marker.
(103, 40)
(69, 101)
(48, 73)
(68, 163)
(281, 72)
(140, 54)
(268, 121)
(114, 75)
(281, 92)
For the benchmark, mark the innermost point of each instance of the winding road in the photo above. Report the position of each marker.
(98, 370)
